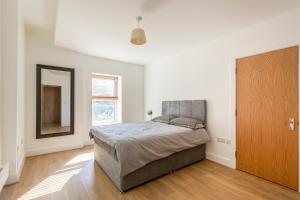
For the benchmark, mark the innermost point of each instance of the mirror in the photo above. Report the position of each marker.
(55, 101)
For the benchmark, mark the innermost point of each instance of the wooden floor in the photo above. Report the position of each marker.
(72, 175)
(54, 128)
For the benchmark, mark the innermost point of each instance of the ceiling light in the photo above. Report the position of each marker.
(138, 36)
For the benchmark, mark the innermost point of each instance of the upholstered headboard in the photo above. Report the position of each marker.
(188, 108)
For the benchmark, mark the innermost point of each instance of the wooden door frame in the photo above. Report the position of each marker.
(232, 64)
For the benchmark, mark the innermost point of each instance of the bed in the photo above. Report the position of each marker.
(134, 153)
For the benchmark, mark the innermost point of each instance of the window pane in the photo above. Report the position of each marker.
(104, 111)
(103, 87)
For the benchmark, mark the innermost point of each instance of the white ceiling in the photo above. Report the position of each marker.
(102, 27)
(40, 14)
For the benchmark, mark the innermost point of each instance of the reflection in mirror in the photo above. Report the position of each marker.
(55, 101)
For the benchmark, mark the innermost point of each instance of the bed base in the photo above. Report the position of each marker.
(150, 171)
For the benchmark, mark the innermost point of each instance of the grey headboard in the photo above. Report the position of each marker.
(187, 108)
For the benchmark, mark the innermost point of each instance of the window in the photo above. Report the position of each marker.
(105, 99)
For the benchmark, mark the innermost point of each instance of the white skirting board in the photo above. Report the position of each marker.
(3, 175)
(89, 142)
(219, 159)
(41, 151)
(14, 178)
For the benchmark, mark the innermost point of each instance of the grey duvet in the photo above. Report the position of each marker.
(137, 144)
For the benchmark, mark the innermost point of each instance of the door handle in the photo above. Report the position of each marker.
(291, 124)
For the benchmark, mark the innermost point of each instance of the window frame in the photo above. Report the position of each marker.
(114, 99)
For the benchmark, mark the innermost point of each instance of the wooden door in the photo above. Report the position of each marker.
(267, 102)
(51, 104)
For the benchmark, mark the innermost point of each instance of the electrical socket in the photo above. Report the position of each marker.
(223, 140)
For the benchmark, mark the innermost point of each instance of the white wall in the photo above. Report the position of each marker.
(207, 72)
(9, 81)
(12, 82)
(20, 91)
(1, 19)
(40, 49)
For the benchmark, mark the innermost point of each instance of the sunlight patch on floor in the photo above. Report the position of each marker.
(51, 184)
(81, 158)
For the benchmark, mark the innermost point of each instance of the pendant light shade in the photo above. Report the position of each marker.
(138, 36)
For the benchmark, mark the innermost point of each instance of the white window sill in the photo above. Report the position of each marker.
(105, 123)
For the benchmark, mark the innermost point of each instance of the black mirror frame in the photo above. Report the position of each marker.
(39, 68)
